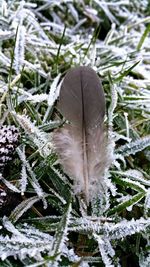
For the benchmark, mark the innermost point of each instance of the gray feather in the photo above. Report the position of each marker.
(81, 144)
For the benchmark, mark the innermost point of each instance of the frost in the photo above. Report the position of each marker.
(32, 177)
(125, 228)
(52, 96)
(106, 250)
(10, 227)
(24, 242)
(54, 91)
(39, 138)
(19, 48)
(9, 185)
(61, 235)
(22, 208)
(34, 57)
(147, 202)
(23, 180)
(37, 98)
(144, 261)
(136, 184)
(135, 146)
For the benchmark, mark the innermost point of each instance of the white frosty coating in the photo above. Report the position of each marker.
(11, 228)
(135, 146)
(19, 48)
(29, 241)
(111, 230)
(24, 242)
(119, 44)
(9, 185)
(39, 137)
(58, 196)
(52, 96)
(147, 202)
(105, 249)
(54, 91)
(144, 261)
(32, 177)
(134, 175)
(62, 236)
(136, 183)
(125, 228)
(23, 180)
(23, 207)
(37, 98)
(114, 98)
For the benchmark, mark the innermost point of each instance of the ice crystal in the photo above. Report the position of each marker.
(19, 48)
(134, 146)
(40, 138)
(27, 241)
(41, 40)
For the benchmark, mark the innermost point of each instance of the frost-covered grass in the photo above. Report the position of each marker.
(42, 222)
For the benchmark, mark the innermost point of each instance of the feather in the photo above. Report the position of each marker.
(81, 143)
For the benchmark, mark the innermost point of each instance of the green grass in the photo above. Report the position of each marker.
(42, 222)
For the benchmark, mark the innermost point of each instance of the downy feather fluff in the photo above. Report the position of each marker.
(81, 143)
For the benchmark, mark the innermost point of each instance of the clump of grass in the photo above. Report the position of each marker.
(42, 222)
